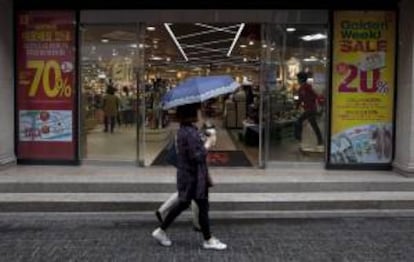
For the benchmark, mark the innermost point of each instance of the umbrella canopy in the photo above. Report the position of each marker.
(199, 89)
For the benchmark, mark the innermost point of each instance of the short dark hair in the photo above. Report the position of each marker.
(302, 76)
(187, 113)
(110, 90)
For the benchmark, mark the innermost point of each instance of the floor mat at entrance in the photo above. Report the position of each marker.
(215, 158)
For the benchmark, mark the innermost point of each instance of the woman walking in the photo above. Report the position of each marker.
(192, 178)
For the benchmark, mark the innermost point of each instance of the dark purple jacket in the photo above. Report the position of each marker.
(192, 171)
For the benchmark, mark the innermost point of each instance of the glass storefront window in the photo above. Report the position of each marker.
(262, 114)
(296, 83)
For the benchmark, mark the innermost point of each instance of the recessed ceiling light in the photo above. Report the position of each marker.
(264, 46)
(156, 58)
(290, 29)
(313, 37)
(105, 40)
(151, 28)
(310, 59)
(245, 59)
(243, 46)
(134, 45)
(251, 42)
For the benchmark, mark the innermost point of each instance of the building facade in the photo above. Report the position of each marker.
(322, 15)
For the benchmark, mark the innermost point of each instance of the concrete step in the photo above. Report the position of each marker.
(225, 202)
(226, 187)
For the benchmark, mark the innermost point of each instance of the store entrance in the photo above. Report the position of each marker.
(265, 120)
(178, 51)
(109, 99)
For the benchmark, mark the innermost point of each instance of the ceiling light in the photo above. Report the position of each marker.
(168, 59)
(251, 42)
(243, 46)
(314, 37)
(310, 59)
(141, 46)
(244, 59)
(134, 45)
(102, 76)
(264, 46)
(105, 40)
(290, 29)
(235, 39)
(151, 28)
(167, 27)
(156, 58)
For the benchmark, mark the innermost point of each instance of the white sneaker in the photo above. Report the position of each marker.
(161, 237)
(214, 243)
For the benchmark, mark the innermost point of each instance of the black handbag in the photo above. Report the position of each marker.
(172, 155)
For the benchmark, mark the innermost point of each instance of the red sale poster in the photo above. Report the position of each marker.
(46, 85)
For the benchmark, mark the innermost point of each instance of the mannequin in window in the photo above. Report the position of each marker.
(308, 101)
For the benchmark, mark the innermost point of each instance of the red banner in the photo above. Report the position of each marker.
(46, 85)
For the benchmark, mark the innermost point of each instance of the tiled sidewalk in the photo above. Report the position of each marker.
(126, 238)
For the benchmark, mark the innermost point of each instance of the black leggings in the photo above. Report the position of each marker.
(203, 207)
(311, 117)
(110, 119)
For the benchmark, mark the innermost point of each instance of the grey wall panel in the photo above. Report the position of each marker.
(6, 84)
(404, 142)
(211, 16)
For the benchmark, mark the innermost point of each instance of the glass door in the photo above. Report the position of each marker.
(293, 88)
(109, 84)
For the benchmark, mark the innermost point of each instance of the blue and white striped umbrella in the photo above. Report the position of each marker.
(198, 89)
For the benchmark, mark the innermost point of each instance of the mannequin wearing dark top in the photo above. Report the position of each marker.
(307, 99)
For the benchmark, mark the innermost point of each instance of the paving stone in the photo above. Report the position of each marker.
(94, 238)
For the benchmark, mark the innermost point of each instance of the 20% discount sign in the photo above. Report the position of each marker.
(45, 71)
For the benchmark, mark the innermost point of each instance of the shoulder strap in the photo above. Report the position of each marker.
(175, 143)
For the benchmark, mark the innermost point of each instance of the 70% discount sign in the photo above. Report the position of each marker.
(43, 71)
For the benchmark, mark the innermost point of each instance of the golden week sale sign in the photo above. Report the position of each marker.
(362, 87)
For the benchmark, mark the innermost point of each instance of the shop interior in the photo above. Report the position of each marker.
(139, 66)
